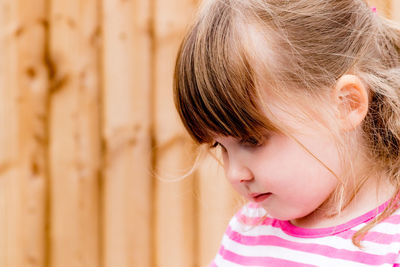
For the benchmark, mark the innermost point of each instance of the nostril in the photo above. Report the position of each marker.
(238, 172)
(246, 179)
(236, 176)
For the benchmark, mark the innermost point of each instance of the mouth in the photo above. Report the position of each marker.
(259, 197)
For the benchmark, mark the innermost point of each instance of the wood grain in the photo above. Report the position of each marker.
(127, 192)
(175, 227)
(74, 129)
(23, 98)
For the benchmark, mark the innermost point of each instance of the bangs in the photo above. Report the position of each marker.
(214, 83)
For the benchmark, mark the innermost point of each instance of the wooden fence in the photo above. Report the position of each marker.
(87, 123)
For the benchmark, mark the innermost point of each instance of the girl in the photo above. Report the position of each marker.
(303, 99)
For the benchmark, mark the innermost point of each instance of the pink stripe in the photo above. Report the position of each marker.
(375, 237)
(394, 219)
(212, 265)
(324, 250)
(259, 261)
(292, 230)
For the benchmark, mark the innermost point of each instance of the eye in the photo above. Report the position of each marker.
(216, 144)
(251, 141)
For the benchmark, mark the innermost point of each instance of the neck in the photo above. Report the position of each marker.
(373, 193)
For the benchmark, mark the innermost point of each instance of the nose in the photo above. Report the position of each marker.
(237, 172)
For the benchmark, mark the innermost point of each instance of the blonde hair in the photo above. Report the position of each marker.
(299, 49)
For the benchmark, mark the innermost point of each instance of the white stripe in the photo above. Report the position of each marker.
(286, 254)
(221, 262)
(252, 212)
(332, 241)
(386, 228)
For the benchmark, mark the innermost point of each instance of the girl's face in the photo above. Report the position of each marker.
(279, 174)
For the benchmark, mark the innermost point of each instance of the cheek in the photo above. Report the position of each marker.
(225, 163)
(289, 166)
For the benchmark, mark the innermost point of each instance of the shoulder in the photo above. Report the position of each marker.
(387, 233)
(388, 226)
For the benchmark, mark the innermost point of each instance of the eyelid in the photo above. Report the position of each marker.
(252, 141)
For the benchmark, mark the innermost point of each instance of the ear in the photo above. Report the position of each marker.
(351, 97)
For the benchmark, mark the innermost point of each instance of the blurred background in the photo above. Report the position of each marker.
(90, 142)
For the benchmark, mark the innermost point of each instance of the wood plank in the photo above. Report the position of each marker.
(23, 95)
(75, 143)
(216, 205)
(127, 184)
(175, 224)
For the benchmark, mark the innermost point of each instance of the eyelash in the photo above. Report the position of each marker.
(251, 141)
(215, 145)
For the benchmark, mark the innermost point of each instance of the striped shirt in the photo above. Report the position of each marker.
(253, 240)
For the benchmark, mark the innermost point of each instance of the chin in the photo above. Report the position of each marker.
(281, 217)
(286, 216)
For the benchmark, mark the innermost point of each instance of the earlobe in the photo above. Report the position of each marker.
(351, 98)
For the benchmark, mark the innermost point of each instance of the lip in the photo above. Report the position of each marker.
(260, 197)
